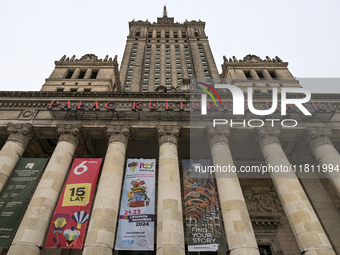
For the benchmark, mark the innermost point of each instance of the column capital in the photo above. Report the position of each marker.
(21, 134)
(218, 134)
(168, 133)
(118, 133)
(69, 133)
(266, 135)
(316, 136)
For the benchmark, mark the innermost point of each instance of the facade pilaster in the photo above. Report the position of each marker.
(318, 140)
(306, 227)
(170, 231)
(106, 205)
(237, 224)
(20, 135)
(34, 225)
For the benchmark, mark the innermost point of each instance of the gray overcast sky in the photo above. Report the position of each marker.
(34, 34)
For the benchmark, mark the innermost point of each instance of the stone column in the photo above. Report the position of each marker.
(88, 74)
(102, 227)
(306, 227)
(20, 135)
(36, 221)
(237, 223)
(170, 232)
(324, 152)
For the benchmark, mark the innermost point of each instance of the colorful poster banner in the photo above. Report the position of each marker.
(203, 221)
(137, 209)
(70, 218)
(15, 195)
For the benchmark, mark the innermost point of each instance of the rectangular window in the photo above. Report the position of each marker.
(273, 75)
(69, 74)
(81, 75)
(259, 74)
(94, 75)
(247, 74)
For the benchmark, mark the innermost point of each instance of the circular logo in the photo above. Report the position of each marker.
(142, 242)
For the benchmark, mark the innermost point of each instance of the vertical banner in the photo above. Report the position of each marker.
(15, 194)
(137, 210)
(203, 221)
(69, 221)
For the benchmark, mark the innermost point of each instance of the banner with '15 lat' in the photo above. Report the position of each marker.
(137, 210)
(68, 225)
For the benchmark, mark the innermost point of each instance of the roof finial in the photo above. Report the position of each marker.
(165, 14)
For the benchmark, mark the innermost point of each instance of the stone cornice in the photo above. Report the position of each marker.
(218, 134)
(267, 135)
(118, 133)
(69, 133)
(168, 133)
(316, 136)
(21, 134)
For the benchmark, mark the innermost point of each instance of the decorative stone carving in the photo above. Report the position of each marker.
(316, 136)
(89, 57)
(118, 133)
(69, 133)
(265, 135)
(20, 133)
(262, 200)
(168, 133)
(217, 134)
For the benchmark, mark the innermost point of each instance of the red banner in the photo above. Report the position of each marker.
(69, 221)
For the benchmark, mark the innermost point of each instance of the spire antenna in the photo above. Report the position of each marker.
(165, 14)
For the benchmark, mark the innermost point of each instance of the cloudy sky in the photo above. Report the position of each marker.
(35, 33)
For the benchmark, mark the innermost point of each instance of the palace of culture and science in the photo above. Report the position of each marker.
(92, 107)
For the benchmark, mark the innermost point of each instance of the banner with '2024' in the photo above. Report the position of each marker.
(137, 210)
(70, 218)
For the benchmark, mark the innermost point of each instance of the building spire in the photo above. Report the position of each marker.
(165, 14)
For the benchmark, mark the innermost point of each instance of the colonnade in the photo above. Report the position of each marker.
(100, 237)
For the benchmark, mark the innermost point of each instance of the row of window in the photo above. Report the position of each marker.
(73, 90)
(260, 75)
(81, 74)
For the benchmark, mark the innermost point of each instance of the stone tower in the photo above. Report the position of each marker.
(164, 54)
(87, 74)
